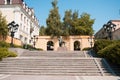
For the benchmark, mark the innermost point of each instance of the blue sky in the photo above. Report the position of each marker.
(100, 10)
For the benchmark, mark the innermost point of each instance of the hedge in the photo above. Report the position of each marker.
(101, 44)
(87, 49)
(111, 53)
(108, 49)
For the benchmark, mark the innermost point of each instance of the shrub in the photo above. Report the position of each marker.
(101, 44)
(86, 49)
(4, 44)
(12, 54)
(5, 53)
(27, 46)
(39, 49)
(17, 46)
(30, 47)
(111, 53)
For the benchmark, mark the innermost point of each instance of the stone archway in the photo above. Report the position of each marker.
(81, 41)
(50, 46)
(77, 46)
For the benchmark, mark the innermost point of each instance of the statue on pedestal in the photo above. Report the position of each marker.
(62, 46)
(60, 41)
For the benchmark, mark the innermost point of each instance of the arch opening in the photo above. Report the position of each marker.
(50, 46)
(77, 46)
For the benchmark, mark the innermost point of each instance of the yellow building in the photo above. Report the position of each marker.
(71, 43)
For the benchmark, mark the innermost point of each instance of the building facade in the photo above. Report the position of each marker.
(116, 34)
(18, 11)
(102, 34)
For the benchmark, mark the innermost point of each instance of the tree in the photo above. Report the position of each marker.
(67, 23)
(42, 31)
(3, 27)
(54, 25)
(78, 25)
(74, 23)
(85, 24)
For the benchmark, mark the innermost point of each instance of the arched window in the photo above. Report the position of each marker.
(50, 45)
(77, 45)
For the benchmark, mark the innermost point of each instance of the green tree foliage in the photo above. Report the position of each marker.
(54, 25)
(78, 25)
(82, 25)
(85, 24)
(3, 27)
(67, 23)
(42, 31)
(73, 23)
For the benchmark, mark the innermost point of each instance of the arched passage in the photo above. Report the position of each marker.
(77, 46)
(50, 45)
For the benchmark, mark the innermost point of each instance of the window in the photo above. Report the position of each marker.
(25, 40)
(21, 17)
(30, 41)
(20, 26)
(24, 28)
(27, 21)
(21, 37)
(24, 19)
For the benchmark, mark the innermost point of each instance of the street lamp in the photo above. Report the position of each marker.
(13, 27)
(91, 40)
(109, 28)
(34, 38)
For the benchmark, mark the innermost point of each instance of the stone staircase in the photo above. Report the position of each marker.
(67, 63)
(116, 69)
(55, 54)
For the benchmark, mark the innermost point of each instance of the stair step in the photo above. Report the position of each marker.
(55, 73)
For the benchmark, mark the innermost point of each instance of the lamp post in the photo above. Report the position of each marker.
(109, 28)
(91, 40)
(34, 38)
(13, 27)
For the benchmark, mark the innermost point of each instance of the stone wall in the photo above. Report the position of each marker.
(15, 41)
(69, 42)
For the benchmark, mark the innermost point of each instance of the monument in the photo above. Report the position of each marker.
(62, 46)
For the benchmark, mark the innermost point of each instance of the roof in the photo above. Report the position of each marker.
(115, 20)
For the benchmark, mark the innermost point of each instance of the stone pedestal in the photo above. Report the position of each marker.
(62, 48)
